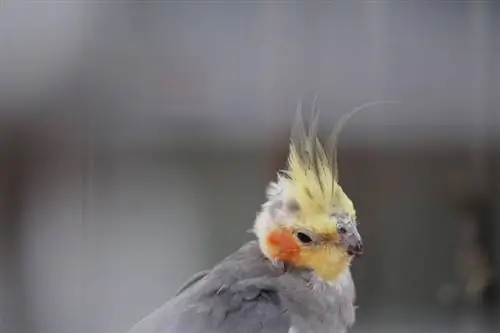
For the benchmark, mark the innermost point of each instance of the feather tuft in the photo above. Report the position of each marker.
(312, 170)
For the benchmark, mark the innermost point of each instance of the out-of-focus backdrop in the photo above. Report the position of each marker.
(137, 138)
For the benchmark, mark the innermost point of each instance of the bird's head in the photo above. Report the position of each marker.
(308, 221)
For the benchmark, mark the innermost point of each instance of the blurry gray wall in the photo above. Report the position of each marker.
(138, 138)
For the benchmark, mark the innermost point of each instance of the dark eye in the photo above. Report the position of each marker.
(304, 238)
(342, 230)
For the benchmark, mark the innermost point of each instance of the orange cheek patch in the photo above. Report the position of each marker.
(283, 245)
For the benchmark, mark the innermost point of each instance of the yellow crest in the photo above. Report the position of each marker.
(313, 169)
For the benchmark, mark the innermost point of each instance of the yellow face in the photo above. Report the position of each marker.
(320, 248)
(327, 261)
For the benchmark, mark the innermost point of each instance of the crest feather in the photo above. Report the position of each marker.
(313, 171)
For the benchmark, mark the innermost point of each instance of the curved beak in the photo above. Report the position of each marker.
(354, 244)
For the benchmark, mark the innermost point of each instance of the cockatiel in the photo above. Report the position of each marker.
(295, 278)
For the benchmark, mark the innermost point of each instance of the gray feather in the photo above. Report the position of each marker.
(192, 280)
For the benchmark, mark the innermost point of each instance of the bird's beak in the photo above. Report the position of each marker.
(354, 245)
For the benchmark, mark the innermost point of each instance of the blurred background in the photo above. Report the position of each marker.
(137, 138)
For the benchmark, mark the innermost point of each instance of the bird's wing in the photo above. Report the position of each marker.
(239, 295)
(247, 306)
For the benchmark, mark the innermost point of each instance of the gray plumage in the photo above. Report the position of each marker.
(247, 293)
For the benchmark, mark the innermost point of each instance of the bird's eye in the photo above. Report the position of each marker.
(304, 238)
(342, 230)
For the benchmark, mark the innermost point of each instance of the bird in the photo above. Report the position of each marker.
(295, 276)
